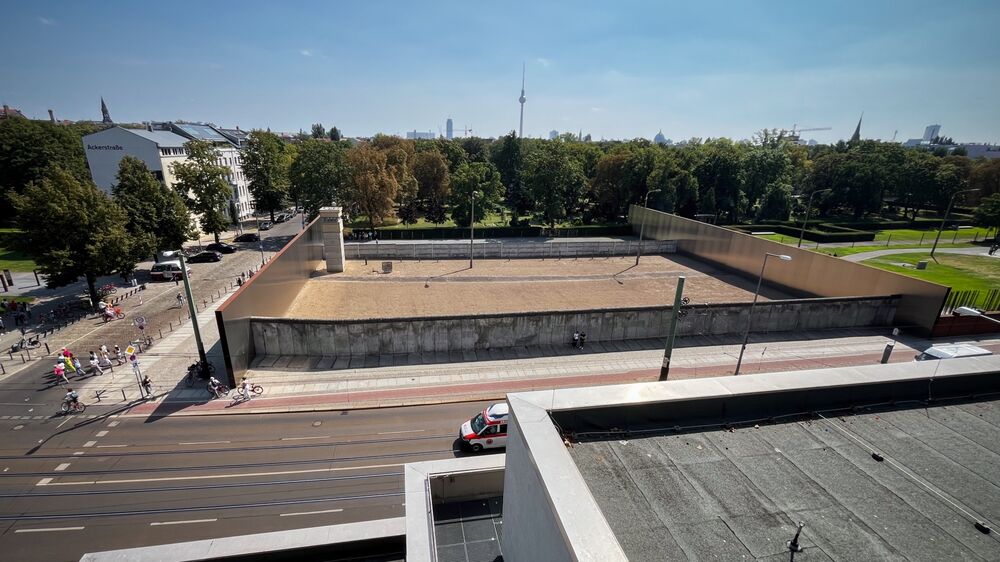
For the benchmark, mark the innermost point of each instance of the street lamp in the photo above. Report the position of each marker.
(760, 278)
(472, 225)
(808, 210)
(969, 311)
(642, 225)
(946, 213)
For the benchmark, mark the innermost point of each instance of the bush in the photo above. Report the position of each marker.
(457, 233)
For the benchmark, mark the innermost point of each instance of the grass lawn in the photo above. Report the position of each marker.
(976, 233)
(960, 272)
(847, 250)
(15, 261)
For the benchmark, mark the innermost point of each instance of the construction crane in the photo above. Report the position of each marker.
(795, 130)
(465, 131)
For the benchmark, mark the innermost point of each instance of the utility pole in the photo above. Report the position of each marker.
(668, 351)
(193, 311)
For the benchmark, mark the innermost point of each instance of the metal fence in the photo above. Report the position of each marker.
(981, 299)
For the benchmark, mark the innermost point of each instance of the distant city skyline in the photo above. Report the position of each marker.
(612, 70)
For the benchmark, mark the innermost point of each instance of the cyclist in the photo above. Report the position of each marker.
(180, 300)
(71, 398)
(147, 385)
(246, 388)
(215, 386)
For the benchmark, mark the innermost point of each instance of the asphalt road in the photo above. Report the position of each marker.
(71, 485)
(35, 387)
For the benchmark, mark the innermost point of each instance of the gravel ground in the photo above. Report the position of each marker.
(449, 287)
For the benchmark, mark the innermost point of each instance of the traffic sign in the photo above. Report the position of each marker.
(140, 322)
(130, 350)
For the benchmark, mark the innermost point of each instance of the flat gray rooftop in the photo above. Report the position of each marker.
(738, 493)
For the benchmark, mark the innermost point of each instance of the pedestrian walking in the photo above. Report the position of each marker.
(69, 366)
(66, 352)
(60, 371)
(119, 355)
(95, 365)
(78, 365)
(147, 385)
(3, 329)
(576, 339)
(583, 339)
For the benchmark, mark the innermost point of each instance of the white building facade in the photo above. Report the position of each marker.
(159, 149)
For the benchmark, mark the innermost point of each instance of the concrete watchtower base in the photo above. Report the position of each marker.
(333, 238)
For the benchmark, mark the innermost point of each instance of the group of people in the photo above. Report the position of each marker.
(994, 248)
(579, 338)
(362, 235)
(20, 310)
(70, 364)
(217, 389)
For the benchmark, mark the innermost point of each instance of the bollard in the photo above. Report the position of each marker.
(124, 398)
(887, 352)
(22, 359)
(2, 369)
(955, 237)
(171, 329)
(47, 351)
(160, 330)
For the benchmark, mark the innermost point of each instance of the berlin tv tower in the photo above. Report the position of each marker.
(522, 99)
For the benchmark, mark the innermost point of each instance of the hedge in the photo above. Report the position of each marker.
(453, 233)
(810, 234)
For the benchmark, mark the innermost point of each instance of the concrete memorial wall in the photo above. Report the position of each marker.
(809, 273)
(290, 336)
(500, 249)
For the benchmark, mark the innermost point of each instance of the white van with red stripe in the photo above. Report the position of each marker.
(488, 430)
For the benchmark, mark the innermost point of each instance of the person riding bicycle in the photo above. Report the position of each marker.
(246, 388)
(215, 386)
(71, 397)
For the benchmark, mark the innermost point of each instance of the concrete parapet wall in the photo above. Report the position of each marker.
(287, 336)
(497, 249)
(809, 273)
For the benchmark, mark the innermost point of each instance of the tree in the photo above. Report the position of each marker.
(335, 134)
(718, 172)
(777, 202)
(74, 229)
(430, 170)
(265, 166)
(453, 153)
(203, 181)
(317, 175)
(509, 160)
(481, 178)
(988, 212)
(156, 213)
(318, 131)
(28, 149)
(371, 188)
(761, 168)
(985, 176)
(554, 181)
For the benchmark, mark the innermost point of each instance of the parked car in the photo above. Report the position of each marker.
(221, 247)
(281, 217)
(206, 256)
(951, 352)
(167, 271)
(487, 430)
(248, 237)
(266, 225)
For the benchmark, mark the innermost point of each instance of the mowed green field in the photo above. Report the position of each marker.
(960, 272)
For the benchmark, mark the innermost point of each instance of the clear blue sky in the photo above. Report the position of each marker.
(613, 69)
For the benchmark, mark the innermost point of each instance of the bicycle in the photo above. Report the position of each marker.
(256, 390)
(75, 407)
(223, 390)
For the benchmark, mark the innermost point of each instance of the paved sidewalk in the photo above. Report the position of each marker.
(477, 376)
(980, 251)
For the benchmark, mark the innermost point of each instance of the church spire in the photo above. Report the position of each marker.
(106, 116)
(856, 137)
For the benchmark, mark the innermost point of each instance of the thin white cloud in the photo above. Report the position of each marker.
(46, 21)
(306, 52)
(544, 61)
(595, 109)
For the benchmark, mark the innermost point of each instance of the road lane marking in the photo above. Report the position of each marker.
(311, 512)
(304, 438)
(102, 433)
(49, 529)
(404, 431)
(203, 442)
(78, 453)
(114, 424)
(48, 482)
(65, 421)
(62, 467)
(110, 446)
(89, 444)
(155, 523)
